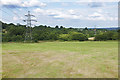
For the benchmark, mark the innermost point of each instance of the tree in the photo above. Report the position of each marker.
(78, 36)
(61, 27)
(109, 35)
(6, 38)
(17, 38)
(115, 36)
(65, 37)
(86, 28)
(53, 36)
(101, 37)
(11, 32)
(57, 26)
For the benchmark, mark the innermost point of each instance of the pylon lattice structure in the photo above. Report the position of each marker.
(95, 30)
(28, 35)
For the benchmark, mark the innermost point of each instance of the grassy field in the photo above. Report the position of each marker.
(60, 60)
(0, 61)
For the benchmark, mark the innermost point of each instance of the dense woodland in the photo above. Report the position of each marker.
(16, 33)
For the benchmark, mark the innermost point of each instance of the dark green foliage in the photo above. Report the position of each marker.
(101, 37)
(73, 36)
(65, 37)
(57, 26)
(118, 34)
(17, 38)
(16, 33)
(109, 35)
(78, 36)
(6, 37)
(12, 32)
(61, 27)
(36, 41)
(86, 28)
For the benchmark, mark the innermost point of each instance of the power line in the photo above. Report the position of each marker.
(8, 15)
(6, 19)
(18, 10)
(4, 11)
(13, 12)
(27, 8)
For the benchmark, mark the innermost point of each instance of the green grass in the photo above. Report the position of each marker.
(87, 59)
(0, 61)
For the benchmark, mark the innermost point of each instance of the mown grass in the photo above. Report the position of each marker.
(61, 60)
(0, 61)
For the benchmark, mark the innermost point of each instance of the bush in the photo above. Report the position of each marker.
(53, 36)
(79, 36)
(107, 36)
(115, 36)
(6, 38)
(101, 37)
(17, 38)
(36, 41)
(64, 37)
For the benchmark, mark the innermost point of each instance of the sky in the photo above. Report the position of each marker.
(67, 13)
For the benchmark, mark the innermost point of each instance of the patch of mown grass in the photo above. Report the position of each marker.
(61, 59)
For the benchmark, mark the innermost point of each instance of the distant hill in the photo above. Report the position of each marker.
(115, 28)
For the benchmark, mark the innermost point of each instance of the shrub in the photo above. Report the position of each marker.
(107, 36)
(115, 36)
(79, 36)
(6, 37)
(17, 38)
(64, 37)
(101, 37)
(36, 41)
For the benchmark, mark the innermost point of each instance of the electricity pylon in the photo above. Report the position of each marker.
(28, 35)
(95, 30)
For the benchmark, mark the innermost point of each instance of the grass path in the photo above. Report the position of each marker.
(60, 60)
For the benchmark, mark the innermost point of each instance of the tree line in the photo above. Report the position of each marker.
(16, 33)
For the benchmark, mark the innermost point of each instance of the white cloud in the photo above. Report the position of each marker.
(6, 2)
(31, 3)
(98, 16)
(97, 1)
(71, 11)
(21, 18)
(47, 12)
(15, 18)
(116, 18)
(99, 10)
(64, 4)
(75, 14)
(69, 14)
(23, 3)
(55, 0)
(96, 4)
(20, 9)
(38, 10)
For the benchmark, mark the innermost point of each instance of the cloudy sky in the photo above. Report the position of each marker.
(68, 13)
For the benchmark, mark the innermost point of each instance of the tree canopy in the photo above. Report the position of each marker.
(16, 33)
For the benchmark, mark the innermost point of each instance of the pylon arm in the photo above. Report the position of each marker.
(30, 15)
(34, 20)
(24, 20)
